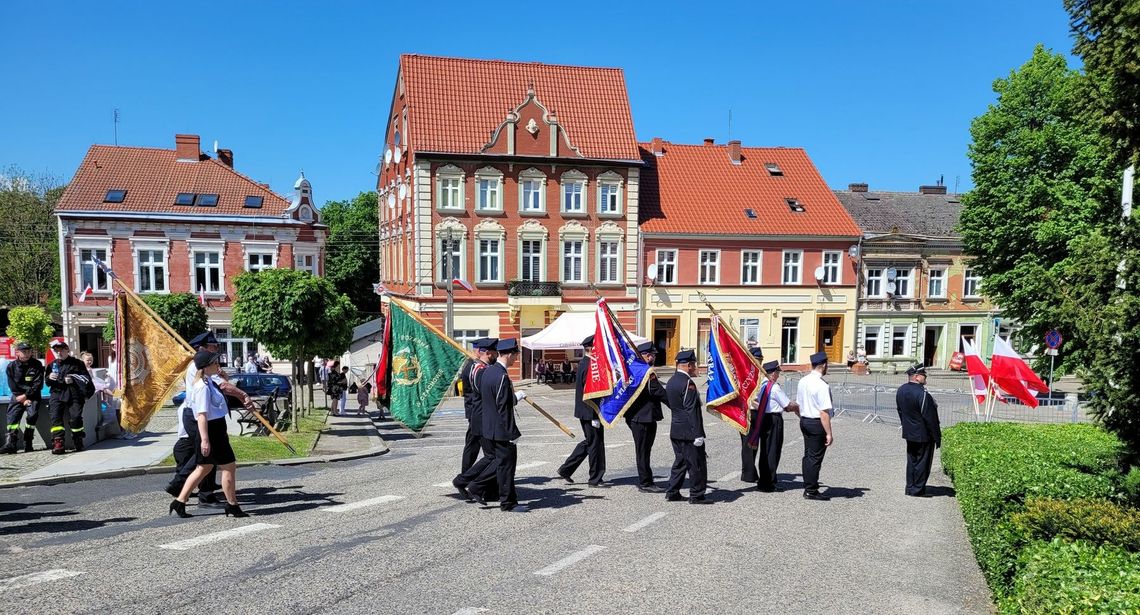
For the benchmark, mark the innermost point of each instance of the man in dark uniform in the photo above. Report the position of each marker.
(594, 445)
(70, 385)
(642, 419)
(25, 380)
(918, 413)
(469, 379)
(748, 472)
(686, 431)
(498, 401)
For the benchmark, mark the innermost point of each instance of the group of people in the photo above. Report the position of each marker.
(554, 372)
(257, 365)
(70, 384)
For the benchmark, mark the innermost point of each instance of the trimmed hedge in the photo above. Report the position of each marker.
(1095, 521)
(1075, 577)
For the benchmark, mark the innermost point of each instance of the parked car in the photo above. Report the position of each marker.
(255, 385)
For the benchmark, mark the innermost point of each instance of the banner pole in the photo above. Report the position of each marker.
(550, 418)
(431, 327)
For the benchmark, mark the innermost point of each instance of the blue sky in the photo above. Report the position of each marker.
(881, 92)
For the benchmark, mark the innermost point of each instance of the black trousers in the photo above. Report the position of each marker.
(688, 459)
(69, 412)
(748, 472)
(506, 458)
(643, 436)
(771, 445)
(17, 410)
(471, 448)
(815, 446)
(186, 460)
(482, 473)
(919, 457)
(594, 447)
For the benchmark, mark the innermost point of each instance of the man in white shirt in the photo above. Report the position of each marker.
(814, 398)
(768, 437)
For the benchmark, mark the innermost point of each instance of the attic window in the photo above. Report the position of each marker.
(795, 205)
(254, 201)
(751, 213)
(870, 197)
(206, 200)
(773, 169)
(114, 196)
(184, 198)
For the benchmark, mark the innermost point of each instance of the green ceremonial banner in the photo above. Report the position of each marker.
(424, 365)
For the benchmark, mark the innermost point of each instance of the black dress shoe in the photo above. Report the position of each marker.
(767, 488)
(568, 479)
(514, 508)
(601, 485)
(207, 498)
(651, 489)
(674, 497)
(699, 500)
(815, 495)
(478, 497)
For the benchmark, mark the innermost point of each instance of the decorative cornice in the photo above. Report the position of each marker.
(573, 227)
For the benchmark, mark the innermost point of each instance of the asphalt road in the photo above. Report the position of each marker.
(387, 535)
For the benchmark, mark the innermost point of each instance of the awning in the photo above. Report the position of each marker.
(567, 332)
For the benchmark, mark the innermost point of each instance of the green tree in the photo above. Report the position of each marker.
(181, 311)
(352, 261)
(30, 324)
(1106, 36)
(29, 243)
(294, 315)
(1044, 178)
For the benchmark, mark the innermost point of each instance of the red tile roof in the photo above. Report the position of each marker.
(152, 178)
(455, 103)
(697, 189)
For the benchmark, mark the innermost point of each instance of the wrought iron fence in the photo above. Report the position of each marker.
(527, 288)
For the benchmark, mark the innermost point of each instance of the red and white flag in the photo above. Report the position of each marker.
(87, 292)
(1013, 375)
(202, 296)
(464, 284)
(979, 373)
(607, 367)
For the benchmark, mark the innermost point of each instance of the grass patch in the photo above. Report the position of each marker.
(267, 448)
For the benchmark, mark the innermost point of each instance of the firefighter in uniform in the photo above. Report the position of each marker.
(594, 444)
(918, 413)
(642, 419)
(26, 380)
(814, 398)
(748, 472)
(70, 384)
(687, 432)
(469, 378)
(768, 438)
(498, 400)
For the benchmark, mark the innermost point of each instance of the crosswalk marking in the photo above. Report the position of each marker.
(35, 578)
(729, 476)
(655, 517)
(205, 539)
(569, 560)
(532, 464)
(384, 499)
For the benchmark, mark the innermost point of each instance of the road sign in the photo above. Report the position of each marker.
(1051, 352)
(1053, 339)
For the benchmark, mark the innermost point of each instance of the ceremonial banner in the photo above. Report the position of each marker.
(607, 367)
(733, 376)
(612, 407)
(153, 360)
(382, 372)
(423, 365)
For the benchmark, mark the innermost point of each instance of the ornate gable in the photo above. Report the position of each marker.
(530, 129)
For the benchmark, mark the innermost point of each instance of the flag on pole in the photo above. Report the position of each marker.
(628, 372)
(382, 372)
(733, 376)
(607, 367)
(153, 360)
(202, 295)
(463, 284)
(87, 292)
(105, 268)
(1013, 375)
(423, 365)
(979, 373)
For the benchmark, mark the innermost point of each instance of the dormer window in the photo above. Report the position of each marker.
(773, 169)
(795, 205)
(751, 214)
(206, 200)
(254, 202)
(114, 196)
(184, 198)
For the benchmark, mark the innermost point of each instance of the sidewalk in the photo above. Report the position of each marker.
(344, 438)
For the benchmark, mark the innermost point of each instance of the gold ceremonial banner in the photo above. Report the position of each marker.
(153, 358)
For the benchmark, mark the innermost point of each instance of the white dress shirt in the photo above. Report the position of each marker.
(814, 396)
(777, 399)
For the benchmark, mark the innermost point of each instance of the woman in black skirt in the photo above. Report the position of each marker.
(208, 404)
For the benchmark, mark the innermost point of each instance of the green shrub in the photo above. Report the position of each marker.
(1131, 486)
(1077, 577)
(1096, 521)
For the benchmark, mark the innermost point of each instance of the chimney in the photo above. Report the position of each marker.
(227, 157)
(734, 151)
(857, 187)
(657, 146)
(709, 141)
(188, 147)
(932, 189)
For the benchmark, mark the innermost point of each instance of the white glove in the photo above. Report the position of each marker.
(520, 395)
(515, 441)
(596, 424)
(699, 442)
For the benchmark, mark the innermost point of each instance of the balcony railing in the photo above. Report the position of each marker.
(527, 288)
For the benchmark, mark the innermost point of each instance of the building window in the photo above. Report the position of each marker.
(750, 332)
(573, 191)
(490, 259)
(871, 340)
(531, 269)
(970, 334)
(704, 328)
(208, 272)
(903, 285)
(259, 261)
(572, 256)
(831, 262)
(900, 341)
(789, 340)
(666, 266)
(152, 271)
(305, 262)
(750, 267)
(609, 198)
(532, 191)
(89, 273)
(233, 349)
(792, 260)
(450, 192)
(488, 190)
(710, 266)
(608, 259)
(936, 284)
(874, 283)
(450, 259)
(970, 284)
(466, 336)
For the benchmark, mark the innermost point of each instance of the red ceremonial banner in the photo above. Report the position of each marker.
(600, 378)
(746, 373)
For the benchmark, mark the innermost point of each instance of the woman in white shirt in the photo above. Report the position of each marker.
(208, 403)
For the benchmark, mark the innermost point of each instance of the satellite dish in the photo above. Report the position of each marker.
(387, 156)
(391, 201)
(890, 288)
(819, 273)
(651, 271)
(892, 273)
(396, 155)
(403, 191)
(853, 251)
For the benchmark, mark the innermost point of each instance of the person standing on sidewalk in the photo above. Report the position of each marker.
(918, 413)
(748, 473)
(485, 355)
(26, 381)
(594, 444)
(687, 432)
(814, 398)
(642, 419)
(337, 388)
(768, 438)
(70, 385)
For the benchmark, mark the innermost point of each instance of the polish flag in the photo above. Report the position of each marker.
(464, 283)
(1013, 375)
(87, 292)
(979, 373)
(202, 296)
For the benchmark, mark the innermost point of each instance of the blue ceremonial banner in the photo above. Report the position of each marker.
(611, 408)
(722, 386)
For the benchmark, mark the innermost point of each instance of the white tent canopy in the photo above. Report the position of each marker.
(567, 332)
